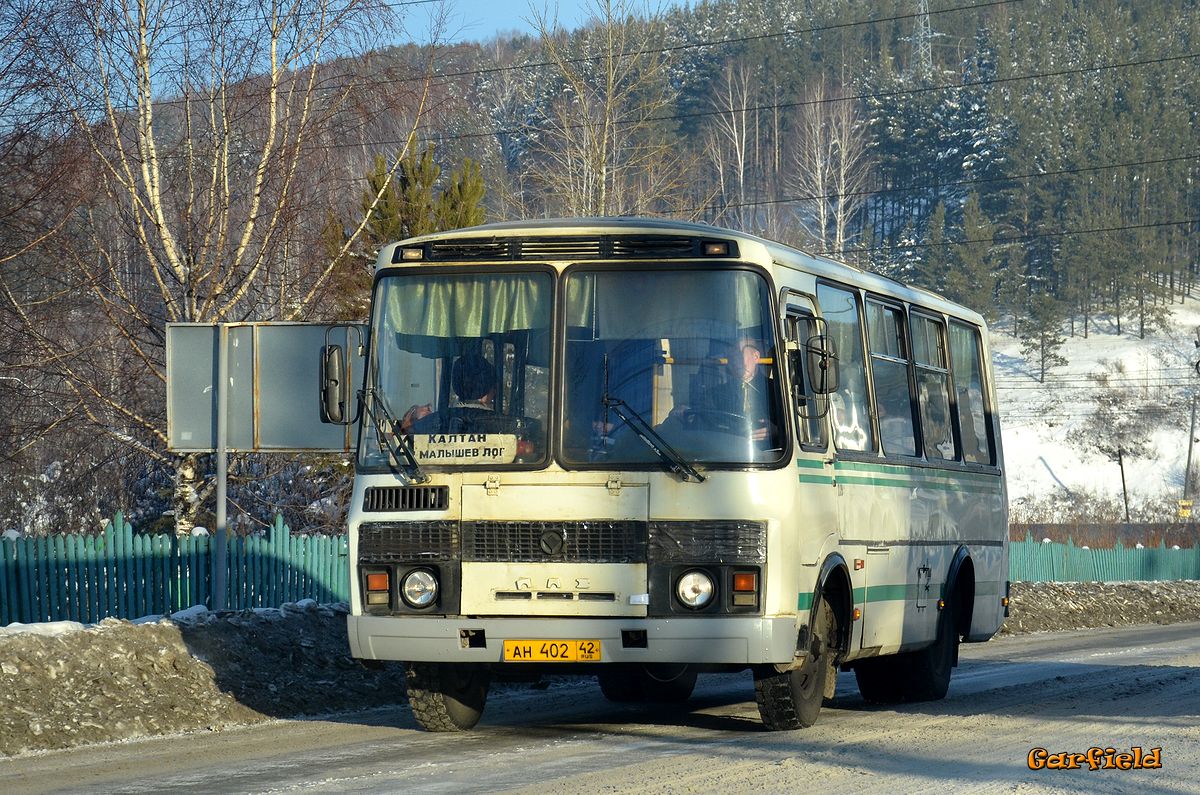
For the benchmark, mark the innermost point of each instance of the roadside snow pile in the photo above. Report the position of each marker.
(117, 680)
(1063, 606)
(63, 686)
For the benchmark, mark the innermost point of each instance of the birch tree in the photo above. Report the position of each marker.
(604, 148)
(206, 128)
(830, 168)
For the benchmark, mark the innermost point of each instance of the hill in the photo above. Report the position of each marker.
(1117, 392)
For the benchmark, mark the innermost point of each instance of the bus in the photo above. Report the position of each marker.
(640, 450)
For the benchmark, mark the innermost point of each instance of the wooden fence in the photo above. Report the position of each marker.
(121, 574)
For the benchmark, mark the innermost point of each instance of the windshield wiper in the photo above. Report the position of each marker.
(652, 438)
(394, 445)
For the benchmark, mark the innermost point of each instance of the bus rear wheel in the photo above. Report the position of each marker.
(447, 697)
(792, 699)
(922, 675)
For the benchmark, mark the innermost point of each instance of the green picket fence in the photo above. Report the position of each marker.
(1031, 561)
(125, 575)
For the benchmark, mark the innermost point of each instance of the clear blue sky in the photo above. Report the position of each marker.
(479, 20)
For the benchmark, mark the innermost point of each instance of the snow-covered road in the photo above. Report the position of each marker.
(1118, 688)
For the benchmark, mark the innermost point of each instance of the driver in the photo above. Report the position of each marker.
(742, 392)
(473, 380)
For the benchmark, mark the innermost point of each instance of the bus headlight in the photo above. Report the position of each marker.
(419, 588)
(695, 589)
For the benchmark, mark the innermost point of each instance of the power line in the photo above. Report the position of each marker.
(845, 98)
(1013, 238)
(446, 76)
(953, 184)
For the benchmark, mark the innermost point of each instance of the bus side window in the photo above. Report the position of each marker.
(971, 409)
(849, 409)
(933, 387)
(889, 367)
(809, 407)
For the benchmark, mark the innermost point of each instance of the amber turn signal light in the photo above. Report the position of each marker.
(377, 582)
(745, 581)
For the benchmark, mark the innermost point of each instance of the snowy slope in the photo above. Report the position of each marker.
(1054, 442)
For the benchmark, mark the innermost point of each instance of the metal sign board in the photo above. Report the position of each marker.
(273, 389)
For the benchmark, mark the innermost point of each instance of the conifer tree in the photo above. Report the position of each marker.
(1043, 340)
(412, 203)
(971, 279)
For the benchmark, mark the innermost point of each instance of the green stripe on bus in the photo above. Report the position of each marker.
(824, 479)
(920, 483)
(871, 593)
(810, 463)
(899, 469)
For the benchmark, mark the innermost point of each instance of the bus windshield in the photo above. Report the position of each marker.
(692, 352)
(460, 364)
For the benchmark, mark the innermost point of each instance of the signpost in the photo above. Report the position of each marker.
(217, 377)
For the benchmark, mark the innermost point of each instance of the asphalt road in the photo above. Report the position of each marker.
(1119, 689)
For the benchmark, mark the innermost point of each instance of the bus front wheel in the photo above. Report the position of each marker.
(792, 699)
(447, 697)
(662, 682)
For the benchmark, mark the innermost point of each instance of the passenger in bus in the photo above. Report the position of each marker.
(473, 379)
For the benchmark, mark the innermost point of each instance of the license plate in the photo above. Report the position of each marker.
(552, 651)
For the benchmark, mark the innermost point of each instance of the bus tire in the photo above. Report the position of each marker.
(668, 684)
(447, 697)
(930, 668)
(792, 699)
(621, 684)
(881, 680)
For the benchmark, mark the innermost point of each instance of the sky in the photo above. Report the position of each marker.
(480, 20)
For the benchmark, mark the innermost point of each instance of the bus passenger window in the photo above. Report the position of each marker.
(810, 408)
(849, 410)
(889, 367)
(969, 395)
(933, 387)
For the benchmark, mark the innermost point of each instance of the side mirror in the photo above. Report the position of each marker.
(822, 365)
(335, 388)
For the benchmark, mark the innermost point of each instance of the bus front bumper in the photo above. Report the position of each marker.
(723, 640)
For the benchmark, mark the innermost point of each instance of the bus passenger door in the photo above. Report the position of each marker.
(816, 503)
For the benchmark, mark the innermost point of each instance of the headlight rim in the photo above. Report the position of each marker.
(431, 590)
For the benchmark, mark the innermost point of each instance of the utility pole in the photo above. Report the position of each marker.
(1187, 472)
(922, 44)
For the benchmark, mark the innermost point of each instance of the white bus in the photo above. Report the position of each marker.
(638, 450)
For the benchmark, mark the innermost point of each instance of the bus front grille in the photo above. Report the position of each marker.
(407, 542)
(384, 499)
(600, 541)
(715, 540)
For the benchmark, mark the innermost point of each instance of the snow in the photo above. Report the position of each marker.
(190, 615)
(1049, 430)
(51, 629)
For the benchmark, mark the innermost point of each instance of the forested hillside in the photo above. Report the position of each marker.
(1034, 159)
